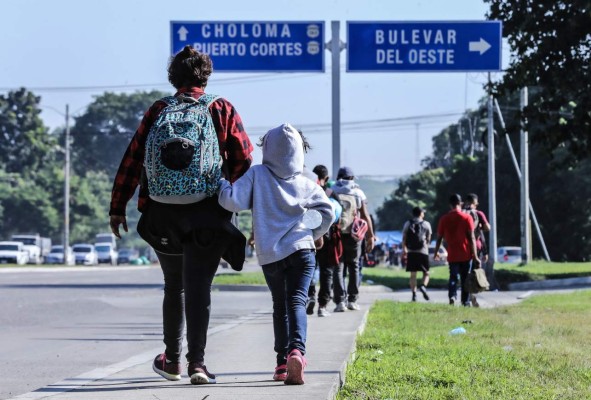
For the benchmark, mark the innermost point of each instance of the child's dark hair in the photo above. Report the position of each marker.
(189, 68)
(321, 171)
(305, 142)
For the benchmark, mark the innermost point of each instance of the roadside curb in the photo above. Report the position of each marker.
(551, 284)
(339, 381)
(240, 288)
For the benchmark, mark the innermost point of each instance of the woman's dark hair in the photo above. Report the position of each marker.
(189, 68)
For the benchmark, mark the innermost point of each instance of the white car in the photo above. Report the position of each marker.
(13, 253)
(56, 256)
(442, 255)
(106, 253)
(85, 254)
(509, 254)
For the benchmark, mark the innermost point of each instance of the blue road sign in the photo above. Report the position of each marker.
(265, 46)
(424, 46)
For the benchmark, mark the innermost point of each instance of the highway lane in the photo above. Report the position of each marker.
(60, 323)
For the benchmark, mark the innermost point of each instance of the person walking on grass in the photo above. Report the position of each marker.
(290, 214)
(457, 228)
(416, 236)
(181, 218)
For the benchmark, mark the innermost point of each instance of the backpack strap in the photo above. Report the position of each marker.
(170, 100)
(207, 99)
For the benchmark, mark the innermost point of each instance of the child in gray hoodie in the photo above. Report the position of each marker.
(289, 213)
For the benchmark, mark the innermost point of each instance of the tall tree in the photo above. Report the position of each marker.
(551, 45)
(24, 141)
(416, 190)
(102, 133)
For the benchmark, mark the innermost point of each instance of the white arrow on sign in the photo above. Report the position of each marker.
(183, 33)
(481, 46)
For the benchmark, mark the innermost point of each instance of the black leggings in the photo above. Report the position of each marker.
(187, 296)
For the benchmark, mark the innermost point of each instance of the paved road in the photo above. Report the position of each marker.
(56, 324)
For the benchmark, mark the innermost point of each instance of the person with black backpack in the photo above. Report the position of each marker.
(416, 236)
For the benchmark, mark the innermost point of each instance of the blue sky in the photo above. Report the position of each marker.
(71, 51)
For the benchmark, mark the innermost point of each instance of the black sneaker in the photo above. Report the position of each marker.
(310, 307)
(452, 301)
(167, 369)
(199, 374)
(423, 290)
(414, 296)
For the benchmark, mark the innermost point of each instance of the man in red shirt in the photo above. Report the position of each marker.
(457, 228)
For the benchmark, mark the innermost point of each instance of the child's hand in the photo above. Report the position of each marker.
(319, 242)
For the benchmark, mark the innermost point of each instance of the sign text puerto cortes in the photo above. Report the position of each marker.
(255, 46)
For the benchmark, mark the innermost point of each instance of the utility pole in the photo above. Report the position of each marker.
(417, 147)
(67, 185)
(492, 191)
(524, 159)
(335, 46)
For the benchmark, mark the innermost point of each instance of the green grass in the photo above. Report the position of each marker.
(534, 350)
(397, 278)
(504, 273)
(538, 271)
(240, 278)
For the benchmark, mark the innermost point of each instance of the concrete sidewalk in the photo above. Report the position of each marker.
(241, 355)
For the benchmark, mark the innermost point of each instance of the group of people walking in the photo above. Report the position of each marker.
(463, 229)
(191, 159)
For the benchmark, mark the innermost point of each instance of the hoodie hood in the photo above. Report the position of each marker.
(345, 186)
(283, 151)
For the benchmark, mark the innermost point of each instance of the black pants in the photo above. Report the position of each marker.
(460, 269)
(350, 261)
(188, 275)
(331, 279)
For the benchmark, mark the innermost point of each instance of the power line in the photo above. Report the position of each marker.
(375, 124)
(216, 81)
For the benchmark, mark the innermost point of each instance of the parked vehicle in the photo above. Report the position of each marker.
(37, 246)
(106, 253)
(442, 255)
(13, 253)
(56, 256)
(106, 238)
(127, 256)
(85, 254)
(509, 254)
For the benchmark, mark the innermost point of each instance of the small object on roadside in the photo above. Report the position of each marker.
(467, 321)
(369, 282)
(458, 331)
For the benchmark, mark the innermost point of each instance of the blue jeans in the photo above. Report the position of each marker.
(461, 270)
(289, 280)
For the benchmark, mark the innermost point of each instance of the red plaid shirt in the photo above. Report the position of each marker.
(235, 148)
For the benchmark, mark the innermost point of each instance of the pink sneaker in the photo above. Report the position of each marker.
(280, 373)
(295, 368)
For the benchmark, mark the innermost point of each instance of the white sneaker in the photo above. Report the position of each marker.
(340, 307)
(353, 306)
(323, 312)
